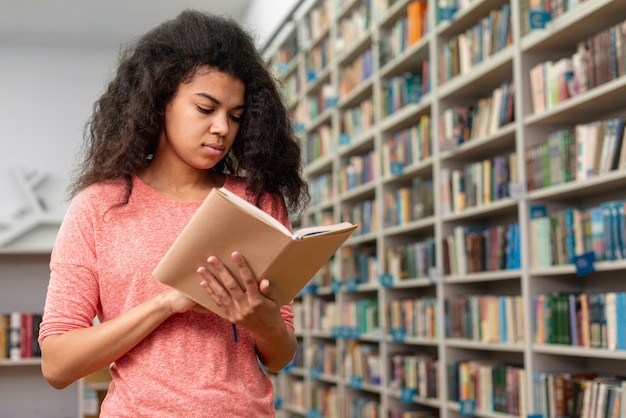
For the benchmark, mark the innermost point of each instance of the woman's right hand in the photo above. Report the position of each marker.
(180, 303)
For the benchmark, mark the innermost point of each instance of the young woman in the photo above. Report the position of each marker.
(192, 107)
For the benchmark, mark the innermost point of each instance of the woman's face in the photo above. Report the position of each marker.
(202, 120)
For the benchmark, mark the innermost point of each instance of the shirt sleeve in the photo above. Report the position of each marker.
(72, 295)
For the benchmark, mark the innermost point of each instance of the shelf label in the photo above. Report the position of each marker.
(314, 413)
(386, 280)
(315, 373)
(398, 335)
(344, 139)
(446, 13)
(396, 168)
(538, 19)
(283, 67)
(467, 407)
(350, 333)
(311, 76)
(407, 394)
(299, 127)
(356, 382)
(310, 289)
(335, 286)
(585, 264)
(331, 103)
(278, 403)
(352, 285)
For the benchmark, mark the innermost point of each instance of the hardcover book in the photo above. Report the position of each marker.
(225, 223)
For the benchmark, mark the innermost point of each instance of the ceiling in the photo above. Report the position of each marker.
(98, 21)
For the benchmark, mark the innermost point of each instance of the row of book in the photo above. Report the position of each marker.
(476, 249)
(358, 170)
(487, 386)
(485, 318)
(357, 120)
(356, 73)
(589, 320)
(413, 375)
(317, 59)
(352, 28)
(598, 60)
(410, 261)
(319, 143)
(364, 214)
(579, 395)
(317, 22)
(405, 32)
(322, 189)
(488, 36)
(322, 359)
(551, 8)
(463, 123)
(407, 147)
(581, 153)
(564, 235)
(413, 318)
(477, 183)
(18, 335)
(401, 90)
(409, 203)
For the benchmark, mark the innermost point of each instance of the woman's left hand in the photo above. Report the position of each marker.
(251, 304)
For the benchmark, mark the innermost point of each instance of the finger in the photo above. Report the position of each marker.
(229, 282)
(248, 279)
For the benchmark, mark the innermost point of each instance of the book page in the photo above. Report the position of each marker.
(254, 211)
(314, 230)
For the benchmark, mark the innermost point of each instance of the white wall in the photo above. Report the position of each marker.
(46, 95)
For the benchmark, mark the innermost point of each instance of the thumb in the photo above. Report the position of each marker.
(269, 291)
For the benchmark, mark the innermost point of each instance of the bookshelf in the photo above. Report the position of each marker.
(453, 297)
(24, 275)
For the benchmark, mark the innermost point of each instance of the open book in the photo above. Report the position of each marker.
(225, 223)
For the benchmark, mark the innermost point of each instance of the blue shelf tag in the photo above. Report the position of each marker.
(278, 403)
(311, 76)
(344, 139)
(283, 67)
(538, 19)
(310, 289)
(446, 13)
(299, 127)
(331, 103)
(351, 333)
(585, 264)
(407, 394)
(386, 280)
(314, 413)
(335, 286)
(396, 168)
(356, 382)
(398, 335)
(352, 285)
(315, 373)
(467, 407)
(335, 332)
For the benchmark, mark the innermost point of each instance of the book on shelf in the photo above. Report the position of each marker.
(225, 223)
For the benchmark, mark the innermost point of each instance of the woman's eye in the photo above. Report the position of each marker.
(205, 110)
(236, 118)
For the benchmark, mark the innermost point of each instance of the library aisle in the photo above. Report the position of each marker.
(479, 146)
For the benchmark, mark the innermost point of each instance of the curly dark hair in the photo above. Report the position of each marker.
(127, 119)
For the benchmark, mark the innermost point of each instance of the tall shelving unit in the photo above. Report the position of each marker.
(340, 62)
(24, 275)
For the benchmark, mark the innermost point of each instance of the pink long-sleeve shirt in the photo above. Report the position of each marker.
(101, 266)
